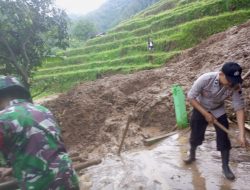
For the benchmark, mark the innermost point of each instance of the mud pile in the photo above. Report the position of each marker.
(93, 114)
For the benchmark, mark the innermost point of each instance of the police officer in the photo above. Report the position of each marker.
(207, 97)
(30, 141)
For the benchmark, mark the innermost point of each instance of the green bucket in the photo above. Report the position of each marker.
(180, 106)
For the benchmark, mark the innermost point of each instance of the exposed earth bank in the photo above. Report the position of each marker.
(93, 114)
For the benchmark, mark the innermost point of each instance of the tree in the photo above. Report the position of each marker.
(83, 29)
(28, 31)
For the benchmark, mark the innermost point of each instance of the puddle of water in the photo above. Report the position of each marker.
(162, 168)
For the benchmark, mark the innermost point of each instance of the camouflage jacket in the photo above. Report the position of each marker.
(30, 141)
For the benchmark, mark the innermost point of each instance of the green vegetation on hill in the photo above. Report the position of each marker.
(174, 25)
(112, 12)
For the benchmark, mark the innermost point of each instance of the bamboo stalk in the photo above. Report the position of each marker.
(150, 141)
(87, 164)
(13, 184)
(124, 134)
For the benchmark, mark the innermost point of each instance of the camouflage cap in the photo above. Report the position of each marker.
(9, 81)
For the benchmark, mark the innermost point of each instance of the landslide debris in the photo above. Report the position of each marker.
(93, 114)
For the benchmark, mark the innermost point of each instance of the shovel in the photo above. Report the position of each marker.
(222, 127)
(228, 132)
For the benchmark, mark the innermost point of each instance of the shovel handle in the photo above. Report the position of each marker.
(222, 127)
(229, 133)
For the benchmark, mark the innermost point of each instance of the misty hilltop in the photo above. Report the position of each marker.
(114, 11)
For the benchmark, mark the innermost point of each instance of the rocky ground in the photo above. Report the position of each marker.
(93, 114)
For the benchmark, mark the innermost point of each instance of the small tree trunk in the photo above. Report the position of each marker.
(14, 62)
(27, 59)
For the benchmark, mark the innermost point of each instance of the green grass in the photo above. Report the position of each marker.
(144, 58)
(59, 82)
(174, 25)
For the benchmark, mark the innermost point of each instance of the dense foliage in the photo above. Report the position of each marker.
(80, 31)
(29, 29)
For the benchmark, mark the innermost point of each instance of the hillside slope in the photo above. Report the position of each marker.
(93, 114)
(114, 11)
(174, 25)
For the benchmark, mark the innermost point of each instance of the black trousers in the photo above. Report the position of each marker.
(198, 127)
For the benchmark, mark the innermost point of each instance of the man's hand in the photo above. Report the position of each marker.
(240, 114)
(209, 118)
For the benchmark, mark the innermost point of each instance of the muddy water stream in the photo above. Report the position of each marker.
(161, 168)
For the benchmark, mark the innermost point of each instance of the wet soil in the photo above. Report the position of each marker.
(162, 168)
(93, 116)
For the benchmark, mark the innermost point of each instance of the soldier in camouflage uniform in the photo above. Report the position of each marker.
(30, 141)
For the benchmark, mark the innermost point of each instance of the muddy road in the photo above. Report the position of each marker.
(161, 168)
